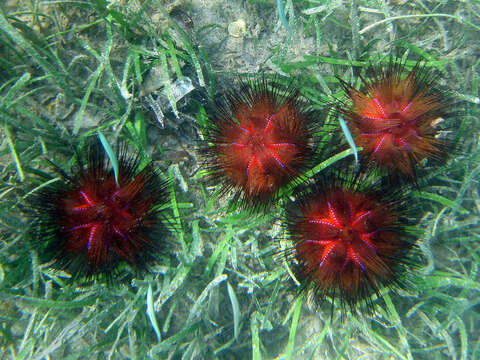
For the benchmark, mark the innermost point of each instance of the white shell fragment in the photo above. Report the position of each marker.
(238, 28)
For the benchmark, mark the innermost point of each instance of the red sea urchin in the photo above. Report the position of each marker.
(260, 139)
(349, 241)
(88, 223)
(396, 119)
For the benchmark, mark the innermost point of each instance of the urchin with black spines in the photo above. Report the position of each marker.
(89, 222)
(398, 116)
(259, 139)
(349, 240)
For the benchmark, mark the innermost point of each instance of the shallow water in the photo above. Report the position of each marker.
(148, 73)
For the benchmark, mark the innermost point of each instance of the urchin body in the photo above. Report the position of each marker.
(349, 241)
(397, 117)
(90, 223)
(261, 140)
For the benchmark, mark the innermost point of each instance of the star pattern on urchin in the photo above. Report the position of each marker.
(345, 233)
(398, 129)
(106, 216)
(259, 145)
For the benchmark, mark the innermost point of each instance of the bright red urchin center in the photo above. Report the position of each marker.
(392, 128)
(343, 241)
(393, 123)
(264, 147)
(101, 216)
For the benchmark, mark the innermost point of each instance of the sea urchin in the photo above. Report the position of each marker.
(260, 139)
(89, 223)
(398, 116)
(349, 240)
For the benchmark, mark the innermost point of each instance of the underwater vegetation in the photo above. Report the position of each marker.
(290, 179)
